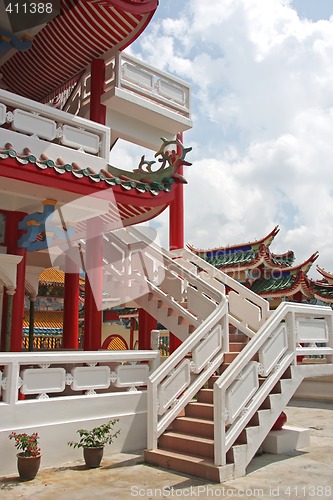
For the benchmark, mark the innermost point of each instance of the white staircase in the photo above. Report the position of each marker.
(240, 390)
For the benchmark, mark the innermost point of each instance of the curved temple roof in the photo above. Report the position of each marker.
(139, 195)
(253, 245)
(268, 274)
(84, 30)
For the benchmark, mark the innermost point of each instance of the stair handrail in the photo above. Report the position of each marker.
(215, 325)
(142, 245)
(156, 427)
(249, 299)
(169, 263)
(283, 319)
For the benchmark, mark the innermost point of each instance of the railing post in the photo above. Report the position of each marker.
(219, 426)
(330, 336)
(152, 418)
(291, 333)
(117, 70)
(10, 391)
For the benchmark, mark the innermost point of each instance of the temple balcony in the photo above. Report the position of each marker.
(34, 132)
(143, 103)
(45, 130)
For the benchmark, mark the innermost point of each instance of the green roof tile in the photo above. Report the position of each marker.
(272, 285)
(230, 259)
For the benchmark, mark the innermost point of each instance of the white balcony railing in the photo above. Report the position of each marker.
(37, 375)
(126, 72)
(68, 390)
(23, 121)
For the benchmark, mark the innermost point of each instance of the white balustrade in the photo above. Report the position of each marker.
(38, 121)
(3, 112)
(124, 71)
(41, 374)
(273, 350)
(172, 386)
(247, 310)
(237, 392)
(241, 391)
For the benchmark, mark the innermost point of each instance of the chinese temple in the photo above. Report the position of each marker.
(272, 276)
(68, 93)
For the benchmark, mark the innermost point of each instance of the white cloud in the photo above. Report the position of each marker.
(262, 82)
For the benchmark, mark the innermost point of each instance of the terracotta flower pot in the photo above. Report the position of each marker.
(27, 466)
(93, 456)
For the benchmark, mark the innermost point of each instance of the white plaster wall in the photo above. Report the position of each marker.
(57, 420)
(319, 388)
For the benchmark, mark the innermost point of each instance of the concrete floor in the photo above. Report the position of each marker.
(303, 474)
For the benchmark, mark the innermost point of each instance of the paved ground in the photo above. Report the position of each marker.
(305, 474)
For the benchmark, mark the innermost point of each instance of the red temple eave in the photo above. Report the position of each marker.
(328, 276)
(84, 30)
(30, 182)
(266, 240)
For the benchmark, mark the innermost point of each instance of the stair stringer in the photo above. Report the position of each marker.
(257, 434)
(238, 396)
(172, 315)
(276, 337)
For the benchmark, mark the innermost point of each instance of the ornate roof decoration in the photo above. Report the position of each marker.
(328, 277)
(9, 41)
(140, 179)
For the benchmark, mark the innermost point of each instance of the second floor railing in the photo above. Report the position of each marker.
(126, 72)
(23, 120)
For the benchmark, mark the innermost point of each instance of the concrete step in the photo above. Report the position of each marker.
(200, 410)
(200, 467)
(236, 346)
(194, 426)
(238, 337)
(187, 444)
(205, 396)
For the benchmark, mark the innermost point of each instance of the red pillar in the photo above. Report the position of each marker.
(12, 235)
(176, 232)
(146, 324)
(93, 288)
(70, 335)
(94, 247)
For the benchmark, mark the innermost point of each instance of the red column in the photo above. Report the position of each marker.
(146, 324)
(94, 247)
(70, 335)
(93, 288)
(12, 236)
(176, 233)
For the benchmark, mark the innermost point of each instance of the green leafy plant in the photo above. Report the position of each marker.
(28, 443)
(96, 437)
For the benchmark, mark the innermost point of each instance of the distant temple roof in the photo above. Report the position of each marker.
(54, 276)
(267, 274)
(45, 322)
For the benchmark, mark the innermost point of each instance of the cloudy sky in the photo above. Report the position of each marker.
(261, 73)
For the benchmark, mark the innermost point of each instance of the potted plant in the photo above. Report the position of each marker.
(28, 460)
(93, 442)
